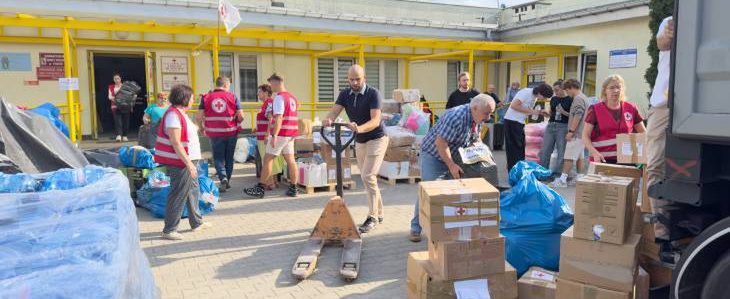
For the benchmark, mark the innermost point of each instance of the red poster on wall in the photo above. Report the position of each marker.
(51, 67)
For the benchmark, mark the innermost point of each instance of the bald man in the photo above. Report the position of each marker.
(492, 92)
(362, 105)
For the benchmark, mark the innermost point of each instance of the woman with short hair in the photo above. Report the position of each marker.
(263, 118)
(611, 116)
(178, 148)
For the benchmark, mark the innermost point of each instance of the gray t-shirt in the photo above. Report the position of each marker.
(578, 109)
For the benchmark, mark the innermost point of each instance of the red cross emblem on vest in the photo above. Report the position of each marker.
(219, 105)
(460, 211)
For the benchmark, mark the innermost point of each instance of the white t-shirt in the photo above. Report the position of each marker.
(279, 105)
(661, 85)
(528, 100)
(172, 121)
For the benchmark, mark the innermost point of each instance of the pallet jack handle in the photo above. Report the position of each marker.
(338, 148)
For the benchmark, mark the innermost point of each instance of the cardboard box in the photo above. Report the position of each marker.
(398, 154)
(645, 200)
(604, 265)
(389, 106)
(414, 168)
(659, 275)
(421, 283)
(303, 147)
(332, 173)
(394, 170)
(643, 283)
(620, 170)
(537, 283)
(406, 95)
(576, 290)
(459, 209)
(465, 259)
(325, 150)
(631, 148)
(305, 127)
(399, 136)
(637, 221)
(604, 206)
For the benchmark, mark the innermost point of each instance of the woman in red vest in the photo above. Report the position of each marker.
(121, 120)
(613, 115)
(178, 148)
(263, 118)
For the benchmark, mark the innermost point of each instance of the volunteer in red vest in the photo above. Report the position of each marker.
(178, 148)
(263, 118)
(613, 115)
(219, 113)
(121, 120)
(284, 127)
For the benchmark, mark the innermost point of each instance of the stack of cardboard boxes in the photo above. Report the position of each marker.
(401, 159)
(598, 255)
(465, 250)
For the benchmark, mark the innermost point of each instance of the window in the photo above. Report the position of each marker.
(225, 65)
(570, 67)
(248, 77)
(380, 74)
(588, 74)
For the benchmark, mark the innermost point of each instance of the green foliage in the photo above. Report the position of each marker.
(658, 10)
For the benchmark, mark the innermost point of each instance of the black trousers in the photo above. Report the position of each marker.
(514, 142)
(121, 123)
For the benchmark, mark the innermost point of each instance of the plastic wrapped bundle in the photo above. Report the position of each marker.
(153, 195)
(18, 183)
(75, 243)
(136, 156)
(399, 136)
(532, 216)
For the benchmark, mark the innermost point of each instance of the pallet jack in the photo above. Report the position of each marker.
(334, 227)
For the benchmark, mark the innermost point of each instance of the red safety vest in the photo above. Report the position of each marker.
(262, 123)
(164, 152)
(604, 139)
(114, 94)
(290, 120)
(220, 114)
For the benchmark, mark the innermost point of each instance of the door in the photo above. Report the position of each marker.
(131, 67)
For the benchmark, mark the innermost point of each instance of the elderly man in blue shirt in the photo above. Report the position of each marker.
(455, 129)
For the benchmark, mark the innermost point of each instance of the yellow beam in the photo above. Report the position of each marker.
(472, 73)
(216, 65)
(524, 58)
(300, 36)
(203, 43)
(441, 55)
(77, 95)
(192, 71)
(361, 56)
(69, 93)
(338, 51)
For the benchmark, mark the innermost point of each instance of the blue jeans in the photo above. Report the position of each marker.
(432, 169)
(223, 148)
(554, 139)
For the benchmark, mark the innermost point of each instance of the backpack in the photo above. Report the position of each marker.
(126, 96)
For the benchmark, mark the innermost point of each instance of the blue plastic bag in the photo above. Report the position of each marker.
(532, 217)
(251, 148)
(136, 156)
(53, 114)
(18, 183)
(523, 168)
(67, 179)
(153, 195)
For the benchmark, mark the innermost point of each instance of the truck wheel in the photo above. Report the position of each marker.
(708, 254)
(717, 280)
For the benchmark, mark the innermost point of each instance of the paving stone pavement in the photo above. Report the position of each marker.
(251, 248)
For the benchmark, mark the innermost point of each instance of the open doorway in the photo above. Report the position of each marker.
(131, 67)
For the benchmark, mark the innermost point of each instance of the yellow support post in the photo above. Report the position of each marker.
(216, 66)
(361, 56)
(407, 75)
(313, 84)
(561, 66)
(192, 71)
(472, 73)
(486, 74)
(77, 96)
(69, 93)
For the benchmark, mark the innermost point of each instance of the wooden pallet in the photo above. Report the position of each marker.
(328, 187)
(408, 179)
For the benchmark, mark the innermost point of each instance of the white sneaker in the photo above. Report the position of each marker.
(124, 139)
(203, 226)
(119, 138)
(558, 183)
(172, 236)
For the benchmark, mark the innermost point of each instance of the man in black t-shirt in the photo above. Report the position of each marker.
(463, 94)
(554, 138)
(362, 105)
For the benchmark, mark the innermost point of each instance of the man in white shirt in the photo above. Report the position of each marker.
(659, 119)
(514, 120)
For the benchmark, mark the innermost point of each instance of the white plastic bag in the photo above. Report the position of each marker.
(241, 153)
